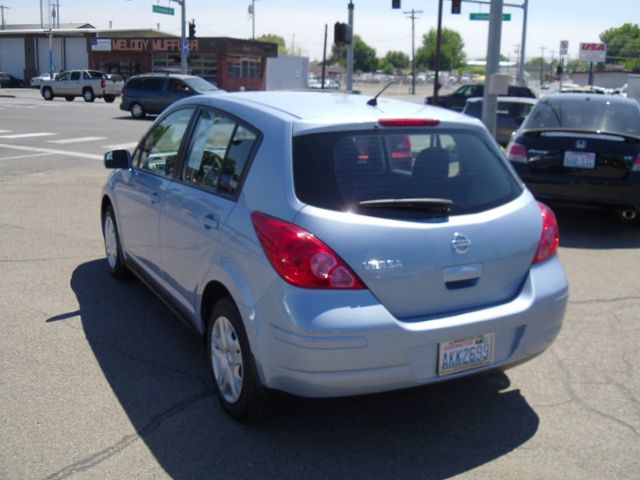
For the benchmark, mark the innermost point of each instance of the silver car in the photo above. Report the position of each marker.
(328, 244)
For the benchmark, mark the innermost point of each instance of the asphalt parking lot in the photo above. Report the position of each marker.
(99, 380)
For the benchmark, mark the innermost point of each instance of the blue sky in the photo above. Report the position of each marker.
(302, 21)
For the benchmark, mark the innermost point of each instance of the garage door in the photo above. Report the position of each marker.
(76, 53)
(12, 56)
(43, 55)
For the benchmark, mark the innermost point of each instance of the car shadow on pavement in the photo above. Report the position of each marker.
(595, 228)
(157, 369)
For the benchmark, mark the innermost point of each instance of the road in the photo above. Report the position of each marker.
(99, 380)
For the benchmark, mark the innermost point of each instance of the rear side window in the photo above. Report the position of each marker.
(336, 171)
(153, 84)
(521, 92)
(220, 149)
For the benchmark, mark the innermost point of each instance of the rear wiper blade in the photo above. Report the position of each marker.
(431, 205)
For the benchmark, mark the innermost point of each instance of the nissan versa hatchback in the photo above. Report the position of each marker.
(328, 245)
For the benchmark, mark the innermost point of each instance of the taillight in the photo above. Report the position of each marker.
(300, 258)
(636, 164)
(102, 83)
(517, 153)
(408, 122)
(550, 238)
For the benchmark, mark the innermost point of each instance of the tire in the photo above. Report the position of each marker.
(137, 111)
(69, 98)
(88, 95)
(47, 94)
(242, 396)
(109, 98)
(113, 245)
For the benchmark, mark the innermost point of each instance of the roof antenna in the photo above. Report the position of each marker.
(374, 101)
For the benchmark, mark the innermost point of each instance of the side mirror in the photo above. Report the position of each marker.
(117, 159)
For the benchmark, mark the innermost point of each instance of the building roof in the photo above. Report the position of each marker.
(38, 27)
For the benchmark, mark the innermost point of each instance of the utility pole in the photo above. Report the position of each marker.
(542, 49)
(184, 44)
(436, 82)
(252, 10)
(324, 57)
(2, 9)
(523, 42)
(58, 14)
(412, 16)
(41, 17)
(52, 16)
(350, 49)
(490, 100)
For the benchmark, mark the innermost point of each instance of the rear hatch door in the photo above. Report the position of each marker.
(416, 258)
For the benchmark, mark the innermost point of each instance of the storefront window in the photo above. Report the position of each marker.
(244, 67)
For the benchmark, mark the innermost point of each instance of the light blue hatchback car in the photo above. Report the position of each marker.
(329, 245)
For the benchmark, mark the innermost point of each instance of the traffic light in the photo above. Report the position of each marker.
(456, 5)
(395, 3)
(341, 34)
(192, 29)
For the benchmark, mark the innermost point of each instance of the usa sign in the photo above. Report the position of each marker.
(593, 52)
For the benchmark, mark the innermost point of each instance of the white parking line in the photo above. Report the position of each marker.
(76, 140)
(28, 135)
(6, 131)
(67, 153)
(124, 146)
(31, 155)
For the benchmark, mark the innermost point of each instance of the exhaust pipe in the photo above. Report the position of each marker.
(628, 214)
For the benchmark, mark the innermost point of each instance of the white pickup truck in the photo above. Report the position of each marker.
(87, 84)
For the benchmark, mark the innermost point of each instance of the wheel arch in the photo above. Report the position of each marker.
(212, 292)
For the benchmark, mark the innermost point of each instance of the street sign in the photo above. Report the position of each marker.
(593, 52)
(506, 17)
(564, 47)
(161, 9)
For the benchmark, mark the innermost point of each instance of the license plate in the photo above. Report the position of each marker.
(580, 160)
(458, 355)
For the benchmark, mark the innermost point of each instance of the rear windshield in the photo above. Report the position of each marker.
(585, 113)
(339, 170)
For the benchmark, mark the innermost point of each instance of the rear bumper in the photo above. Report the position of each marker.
(617, 193)
(352, 345)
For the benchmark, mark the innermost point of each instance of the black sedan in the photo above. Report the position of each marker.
(582, 149)
(9, 81)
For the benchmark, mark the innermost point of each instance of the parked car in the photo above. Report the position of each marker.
(36, 82)
(152, 93)
(278, 226)
(457, 99)
(582, 149)
(9, 81)
(510, 114)
(88, 84)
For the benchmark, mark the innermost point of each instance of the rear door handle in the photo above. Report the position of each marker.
(209, 222)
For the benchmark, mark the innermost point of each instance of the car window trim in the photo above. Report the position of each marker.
(179, 161)
(179, 177)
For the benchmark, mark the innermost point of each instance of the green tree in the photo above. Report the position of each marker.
(277, 39)
(451, 50)
(364, 56)
(623, 45)
(396, 59)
